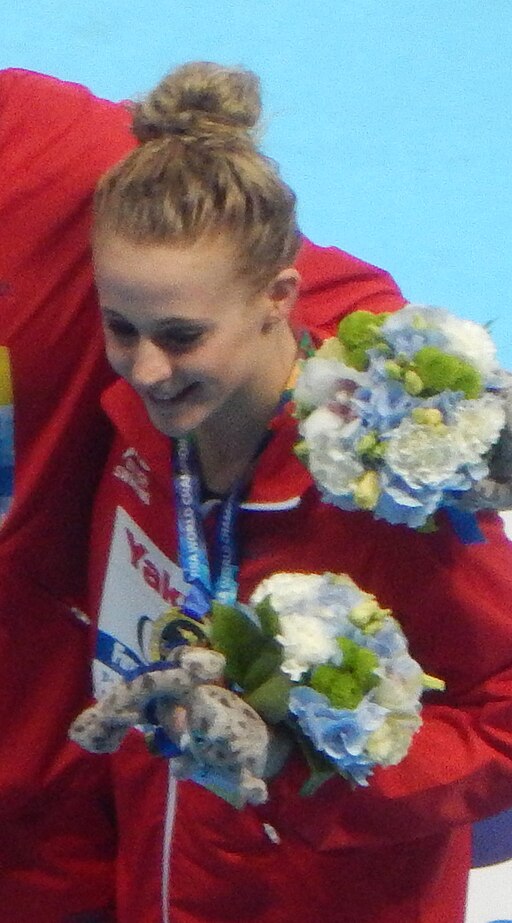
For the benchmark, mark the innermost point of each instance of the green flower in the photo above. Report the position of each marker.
(368, 615)
(359, 332)
(341, 687)
(440, 371)
(345, 686)
(367, 490)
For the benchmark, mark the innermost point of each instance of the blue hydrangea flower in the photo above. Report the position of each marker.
(382, 406)
(406, 338)
(341, 734)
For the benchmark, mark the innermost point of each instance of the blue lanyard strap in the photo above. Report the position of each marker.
(220, 581)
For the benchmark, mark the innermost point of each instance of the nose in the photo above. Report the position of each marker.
(151, 365)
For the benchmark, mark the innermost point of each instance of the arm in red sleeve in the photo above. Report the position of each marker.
(453, 601)
(56, 139)
(334, 283)
(57, 841)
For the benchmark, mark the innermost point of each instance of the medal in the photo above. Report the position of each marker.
(170, 630)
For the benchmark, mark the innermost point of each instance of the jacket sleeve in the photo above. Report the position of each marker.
(453, 601)
(56, 139)
(334, 283)
(57, 841)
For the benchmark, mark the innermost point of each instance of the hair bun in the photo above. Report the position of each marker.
(201, 102)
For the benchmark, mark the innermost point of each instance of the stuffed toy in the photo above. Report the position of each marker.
(219, 735)
(495, 491)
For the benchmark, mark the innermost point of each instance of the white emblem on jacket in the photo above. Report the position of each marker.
(133, 470)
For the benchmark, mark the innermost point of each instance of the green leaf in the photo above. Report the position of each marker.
(264, 666)
(468, 381)
(349, 650)
(268, 617)
(271, 699)
(235, 636)
(366, 664)
(320, 768)
(315, 780)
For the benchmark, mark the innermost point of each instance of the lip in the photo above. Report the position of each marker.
(169, 403)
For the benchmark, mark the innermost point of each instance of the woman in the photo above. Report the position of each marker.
(194, 244)
(56, 138)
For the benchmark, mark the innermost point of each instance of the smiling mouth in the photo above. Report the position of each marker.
(164, 402)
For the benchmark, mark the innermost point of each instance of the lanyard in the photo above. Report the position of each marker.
(220, 581)
(206, 583)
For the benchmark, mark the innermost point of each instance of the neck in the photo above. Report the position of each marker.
(228, 442)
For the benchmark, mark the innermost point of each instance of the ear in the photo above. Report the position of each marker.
(281, 294)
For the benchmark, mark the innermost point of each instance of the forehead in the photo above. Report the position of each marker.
(128, 269)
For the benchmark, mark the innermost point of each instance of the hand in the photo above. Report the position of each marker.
(225, 745)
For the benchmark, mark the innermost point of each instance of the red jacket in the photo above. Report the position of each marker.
(56, 837)
(397, 852)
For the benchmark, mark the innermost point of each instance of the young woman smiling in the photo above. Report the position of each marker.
(195, 245)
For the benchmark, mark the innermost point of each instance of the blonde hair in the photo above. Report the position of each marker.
(198, 172)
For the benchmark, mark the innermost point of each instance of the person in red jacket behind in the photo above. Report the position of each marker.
(57, 839)
(195, 243)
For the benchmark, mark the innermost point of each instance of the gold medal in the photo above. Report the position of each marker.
(172, 629)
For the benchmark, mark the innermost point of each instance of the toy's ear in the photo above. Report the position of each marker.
(201, 664)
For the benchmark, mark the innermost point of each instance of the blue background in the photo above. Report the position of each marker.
(390, 118)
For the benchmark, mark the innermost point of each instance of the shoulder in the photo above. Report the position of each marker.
(334, 283)
(42, 117)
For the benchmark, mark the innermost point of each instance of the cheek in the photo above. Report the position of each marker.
(117, 355)
(228, 359)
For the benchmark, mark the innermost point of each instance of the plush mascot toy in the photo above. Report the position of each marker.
(214, 733)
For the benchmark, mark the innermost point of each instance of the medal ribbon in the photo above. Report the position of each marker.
(220, 581)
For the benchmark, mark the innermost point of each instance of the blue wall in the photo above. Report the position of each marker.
(391, 118)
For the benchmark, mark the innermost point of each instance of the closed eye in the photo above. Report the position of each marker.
(176, 335)
(179, 341)
(121, 329)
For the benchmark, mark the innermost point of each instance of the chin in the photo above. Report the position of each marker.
(175, 427)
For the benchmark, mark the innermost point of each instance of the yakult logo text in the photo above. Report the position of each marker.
(158, 578)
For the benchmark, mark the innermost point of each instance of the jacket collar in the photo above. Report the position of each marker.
(279, 480)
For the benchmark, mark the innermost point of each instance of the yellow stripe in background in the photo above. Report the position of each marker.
(6, 395)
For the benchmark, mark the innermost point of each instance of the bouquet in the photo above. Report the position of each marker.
(311, 660)
(399, 413)
(319, 654)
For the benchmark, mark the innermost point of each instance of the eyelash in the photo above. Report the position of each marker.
(120, 330)
(177, 342)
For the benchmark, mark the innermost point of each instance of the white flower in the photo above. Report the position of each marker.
(388, 745)
(288, 591)
(320, 380)
(400, 686)
(423, 455)
(307, 642)
(469, 341)
(313, 611)
(330, 461)
(477, 425)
